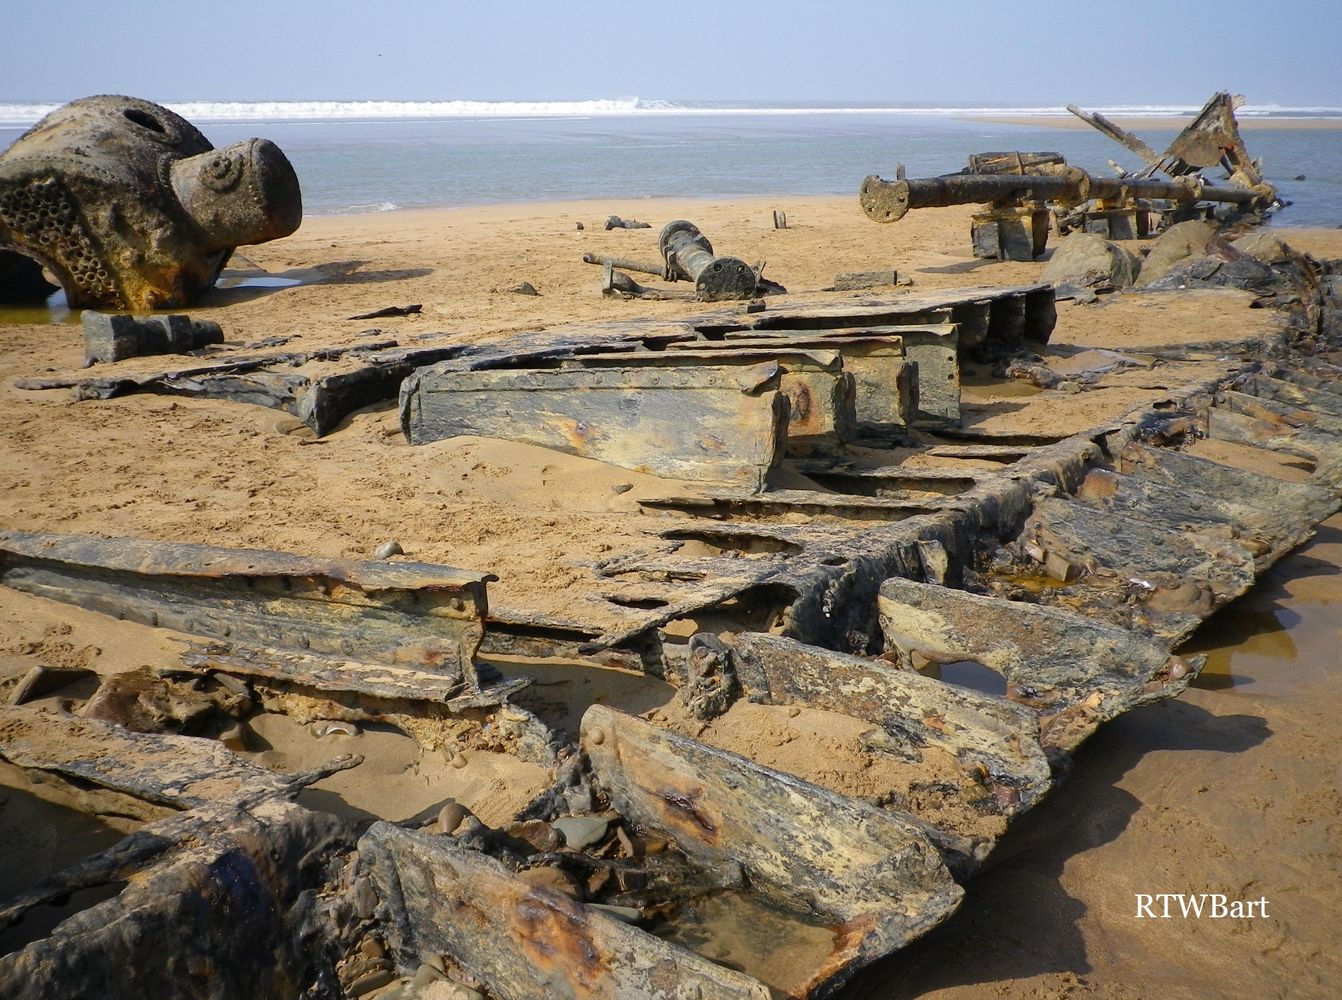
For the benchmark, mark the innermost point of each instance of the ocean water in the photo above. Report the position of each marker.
(375, 156)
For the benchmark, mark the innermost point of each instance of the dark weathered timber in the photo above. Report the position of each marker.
(885, 383)
(727, 503)
(1287, 416)
(411, 614)
(1267, 533)
(1158, 581)
(717, 424)
(1010, 232)
(172, 772)
(916, 713)
(1077, 673)
(426, 707)
(874, 872)
(1295, 393)
(1303, 502)
(821, 394)
(521, 941)
(1005, 453)
(1272, 432)
(219, 902)
(892, 481)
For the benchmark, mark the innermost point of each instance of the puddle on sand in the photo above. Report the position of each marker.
(968, 674)
(1283, 634)
(562, 689)
(42, 838)
(54, 311)
(741, 931)
(257, 281)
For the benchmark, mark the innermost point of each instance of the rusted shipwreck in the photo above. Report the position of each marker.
(1068, 573)
(1026, 194)
(128, 206)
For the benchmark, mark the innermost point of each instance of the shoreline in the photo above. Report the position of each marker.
(1156, 123)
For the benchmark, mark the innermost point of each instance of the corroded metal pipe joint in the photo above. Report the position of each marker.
(689, 255)
(130, 207)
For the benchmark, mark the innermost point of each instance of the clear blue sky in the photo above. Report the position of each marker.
(931, 51)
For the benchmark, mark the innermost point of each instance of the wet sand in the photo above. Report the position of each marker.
(1230, 789)
(1233, 788)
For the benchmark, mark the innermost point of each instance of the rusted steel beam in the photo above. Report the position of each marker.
(721, 424)
(689, 255)
(892, 480)
(1001, 766)
(1077, 673)
(519, 940)
(181, 205)
(820, 392)
(885, 384)
(411, 614)
(874, 873)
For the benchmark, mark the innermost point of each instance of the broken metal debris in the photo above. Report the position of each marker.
(114, 337)
(1020, 187)
(130, 207)
(615, 222)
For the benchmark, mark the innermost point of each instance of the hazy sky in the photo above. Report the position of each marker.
(926, 52)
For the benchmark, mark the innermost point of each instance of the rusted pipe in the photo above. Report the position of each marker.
(689, 255)
(890, 201)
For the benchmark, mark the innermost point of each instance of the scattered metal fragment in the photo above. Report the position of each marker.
(130, 207)
(387, 311)
(615, 222)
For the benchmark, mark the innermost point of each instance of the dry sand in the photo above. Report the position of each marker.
(1229, 789)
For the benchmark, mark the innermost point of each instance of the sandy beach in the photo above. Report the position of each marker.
(1233, 788)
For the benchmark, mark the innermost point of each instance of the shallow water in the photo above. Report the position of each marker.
(369, 165)
(1282, 635)
(743, 932)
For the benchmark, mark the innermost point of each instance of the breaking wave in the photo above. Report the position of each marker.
(25, 113)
